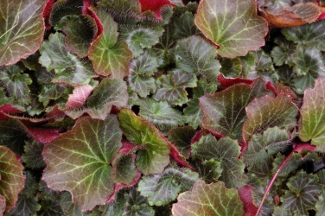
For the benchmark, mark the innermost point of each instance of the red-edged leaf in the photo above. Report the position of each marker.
(8, 109)
(79, 96)
(246, 196)
(12, 179)
(79, 161)
(154, 6)
(86, 10)
(21, 29)
(266, 112)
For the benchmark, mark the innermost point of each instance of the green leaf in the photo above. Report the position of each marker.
(68, 68)
(181, 138)
(12, 178)
(224, 112)
(184, 26)
(12, 135)
(260, 147)
(320, 205)
(50, 207)
(110, 92)
(195, 55)
(163, 188)
(16, 83)
(115, 207)
(68, 207)
(78, 161)
(141, 70)
(232, 25)
(282, 54)
(263, 62)
(123, 10)
(79, 31)
(63, 8)
(139, 38)
(302, 194)
(307, 33)
(312, 115)
(124, 170)
(209, 170)
(33, 155)
(21, 29)
(137, 205)
(192, 112)
(108, 55)
(25, 206)
(226, 151)
(208, 199)
(239, 66)
(172, 87)
(153, 155)
(308, 61)
(161, 114)
(267, 112)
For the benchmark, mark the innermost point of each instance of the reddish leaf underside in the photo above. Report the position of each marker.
(154, 6)
(246, 196)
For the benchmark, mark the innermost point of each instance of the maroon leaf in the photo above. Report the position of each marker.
(154, 6)
(246, 196)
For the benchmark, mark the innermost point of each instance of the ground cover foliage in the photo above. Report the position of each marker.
(166, 107)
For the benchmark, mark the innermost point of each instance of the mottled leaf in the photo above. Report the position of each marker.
(260, 147)
(224, 112)
(268, 112)
(208, 199)
(141, 70)
(153, 155)
(209, 170)
(108, 55)
(239, 66)
(21, 29)
(184, 26)
(137, 205)
(233, 25)
(12, 178)
(110, 92)
(63, 8)
(226, 151)
(25, 206)
(164, 188)
(68, 68)
(307, 33)
(78, 161)
(302, 194)
(139, 38)
(124, 170)
(172, 87)
(16, 83)
(161, 114)
(196, 55)
(311, 122)
(282, 54)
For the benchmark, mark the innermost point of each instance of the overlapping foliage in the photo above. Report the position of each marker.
(160, 107)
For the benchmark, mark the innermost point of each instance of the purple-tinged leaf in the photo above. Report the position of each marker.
(224, 112)
(12, 179)
(50, 207)
(78, 97)
(307, 33)
(79, 161)
(140, 38)
(21, 29)
(79, 31)
(161, 114)
(68, 68)
(261, 146)
(108, 55)
(195, 55)
(181, 138)
(312, 116)
(110, 92)
(302, 194)
(232, 25)
(172, 87)
(208, 199)
(266, 112)
(153, 155)
(164, 188)
(246, 196)
(226, 151)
